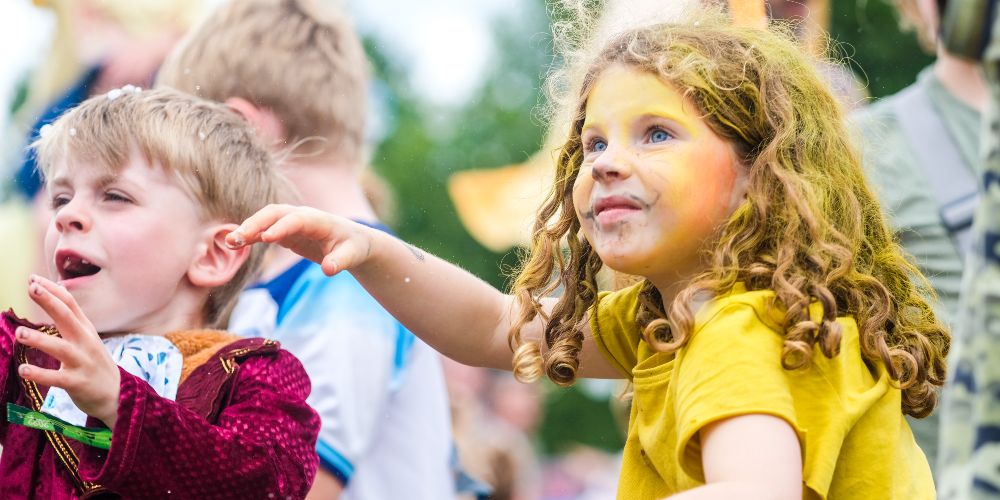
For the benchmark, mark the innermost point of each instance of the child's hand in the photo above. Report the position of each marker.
(333, 242)
(88, 374)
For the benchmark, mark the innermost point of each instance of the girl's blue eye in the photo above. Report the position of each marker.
(659, 135)
(598, 145)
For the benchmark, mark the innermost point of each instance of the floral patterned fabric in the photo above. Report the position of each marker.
(153, 359)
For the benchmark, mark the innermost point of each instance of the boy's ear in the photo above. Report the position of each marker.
(267, 124)
(216, 263)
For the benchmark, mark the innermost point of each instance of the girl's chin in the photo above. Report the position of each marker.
(621, 264)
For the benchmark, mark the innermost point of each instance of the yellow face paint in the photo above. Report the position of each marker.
(656, 181)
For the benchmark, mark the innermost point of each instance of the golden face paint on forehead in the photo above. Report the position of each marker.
(629, 98)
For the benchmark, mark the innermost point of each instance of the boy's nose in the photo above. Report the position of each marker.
(72, 217)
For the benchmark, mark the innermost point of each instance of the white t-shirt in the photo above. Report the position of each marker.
(386, 429)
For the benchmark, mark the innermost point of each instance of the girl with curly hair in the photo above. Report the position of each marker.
(777, 337)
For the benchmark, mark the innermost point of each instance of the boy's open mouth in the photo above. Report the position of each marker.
(72, 265)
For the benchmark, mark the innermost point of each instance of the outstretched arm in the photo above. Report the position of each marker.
(455, 312)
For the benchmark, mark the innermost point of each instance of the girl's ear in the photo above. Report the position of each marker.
(741, 186)
(215, 264)
(267, 124)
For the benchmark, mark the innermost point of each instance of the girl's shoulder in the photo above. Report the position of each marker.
(709, 308)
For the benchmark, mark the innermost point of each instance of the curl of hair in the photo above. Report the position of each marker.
(810, 230)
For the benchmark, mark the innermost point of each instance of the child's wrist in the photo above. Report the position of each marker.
(107, 411)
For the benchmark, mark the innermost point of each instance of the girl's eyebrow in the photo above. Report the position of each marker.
(679, 123)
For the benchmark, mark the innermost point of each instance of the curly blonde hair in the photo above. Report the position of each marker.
(810, 230)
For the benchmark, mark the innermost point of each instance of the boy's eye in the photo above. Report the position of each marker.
(116, 198)
(58, 201)
(658, 135)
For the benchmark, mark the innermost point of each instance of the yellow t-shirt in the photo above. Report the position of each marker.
(855, 441)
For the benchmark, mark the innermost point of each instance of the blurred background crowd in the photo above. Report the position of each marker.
(457, 88)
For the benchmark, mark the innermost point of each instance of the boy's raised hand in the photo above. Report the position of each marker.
(87, 372)
(333, 242)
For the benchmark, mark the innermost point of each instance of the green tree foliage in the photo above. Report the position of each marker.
(426, 144)
(867, 33)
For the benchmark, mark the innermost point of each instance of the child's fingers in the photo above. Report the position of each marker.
(49, 344)
(44, 376)
(61, 293)
(50, 297)
(249, 231)
(344, 255)
(288, 225)
(313, 225)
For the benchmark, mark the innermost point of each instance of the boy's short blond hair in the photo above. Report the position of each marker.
(301, 61)
(214, 154)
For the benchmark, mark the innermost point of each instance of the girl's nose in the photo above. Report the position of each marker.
(615, 163)
(72, 216)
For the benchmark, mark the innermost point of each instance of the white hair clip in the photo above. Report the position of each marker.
(116, 93)
(45, 130)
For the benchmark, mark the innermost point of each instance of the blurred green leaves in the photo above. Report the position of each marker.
(867, 32)
(426, 144)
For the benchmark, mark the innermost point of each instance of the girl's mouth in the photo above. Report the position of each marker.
(611, 209)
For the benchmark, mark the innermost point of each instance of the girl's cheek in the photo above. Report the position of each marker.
(581, 199)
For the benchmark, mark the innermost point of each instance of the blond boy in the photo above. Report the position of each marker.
(299, 74)
(144, 186)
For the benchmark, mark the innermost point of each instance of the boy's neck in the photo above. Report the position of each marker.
(187, 316)
(328, 186)
(963, 79)
(331, 187)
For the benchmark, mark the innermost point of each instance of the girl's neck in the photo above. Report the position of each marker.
(668, 290)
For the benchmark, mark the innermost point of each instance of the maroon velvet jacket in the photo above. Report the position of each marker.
(240, 428)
